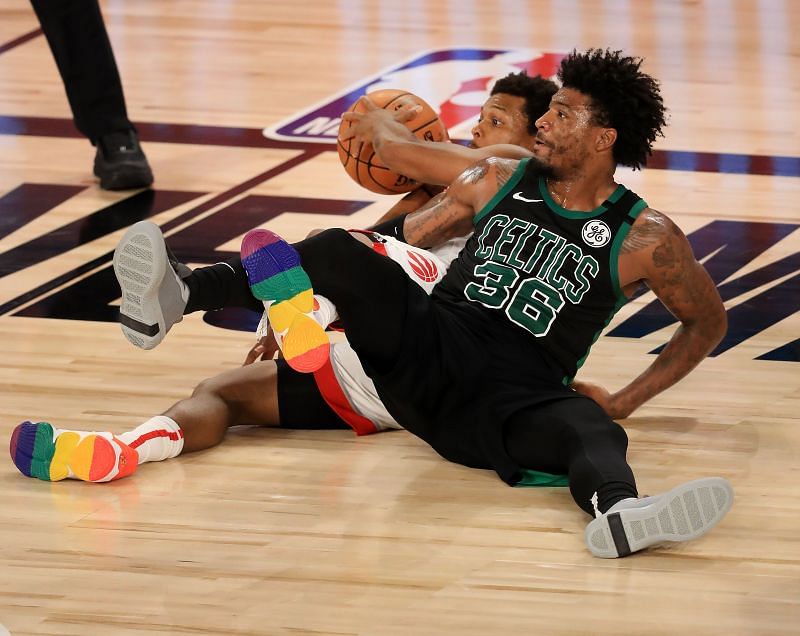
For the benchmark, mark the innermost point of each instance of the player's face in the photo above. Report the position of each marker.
(502, 121)
(566, 135)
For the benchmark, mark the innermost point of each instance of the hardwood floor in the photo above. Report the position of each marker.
(323, 532)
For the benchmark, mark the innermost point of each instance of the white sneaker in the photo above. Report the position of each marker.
(153, 294)
(685, 512)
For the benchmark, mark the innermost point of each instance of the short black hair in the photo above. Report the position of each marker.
(622, 97)
(536, 91)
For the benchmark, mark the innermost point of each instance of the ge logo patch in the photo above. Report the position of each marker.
(596, 233)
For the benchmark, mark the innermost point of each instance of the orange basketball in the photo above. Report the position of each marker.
(361, 162)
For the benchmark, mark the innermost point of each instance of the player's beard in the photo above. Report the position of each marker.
(540, 167)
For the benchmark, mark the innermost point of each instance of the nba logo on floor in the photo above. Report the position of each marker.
(454, 81)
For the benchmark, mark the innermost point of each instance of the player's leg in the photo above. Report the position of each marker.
(372, 293)
(241, 395)
(265, 394)
(573, 436)
(576, 437)
(153, 293)
(350, 392)
(157, 290)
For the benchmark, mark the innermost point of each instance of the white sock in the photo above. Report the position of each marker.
(157, 439)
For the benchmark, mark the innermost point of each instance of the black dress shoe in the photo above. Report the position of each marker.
(120, 163)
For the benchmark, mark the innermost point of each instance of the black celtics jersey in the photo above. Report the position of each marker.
(539, 270)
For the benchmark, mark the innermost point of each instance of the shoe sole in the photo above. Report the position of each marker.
(140, 263)
(92, 458)
(277, 278)
(682, 514)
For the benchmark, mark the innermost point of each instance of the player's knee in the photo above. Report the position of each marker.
(605, 433)
(590, 425)
(224, 387)
(209, 386)
(333, 257)
(618, 434)
(359, 236)
(334, 245)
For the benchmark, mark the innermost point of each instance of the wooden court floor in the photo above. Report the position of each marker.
(321, 532)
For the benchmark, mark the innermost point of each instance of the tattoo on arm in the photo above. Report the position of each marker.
(503, 169)
(435, 225)
(684, 286)
(434, 200)
(503, 172)
(688, 292)
(664, 256)
(646, 233)
(475, 173)
(448, 215)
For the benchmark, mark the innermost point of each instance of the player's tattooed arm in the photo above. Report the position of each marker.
(452, 214)
(645, 233)
(503, 171)
(446, 218)
(416, 201)
(671, 271)
(475, 173)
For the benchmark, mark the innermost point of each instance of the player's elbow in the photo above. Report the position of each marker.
(714, 324)
(722, 323)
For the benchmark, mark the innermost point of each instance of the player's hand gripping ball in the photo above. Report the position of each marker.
(359, 159)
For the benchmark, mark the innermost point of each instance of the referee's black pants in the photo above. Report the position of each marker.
(78, 39)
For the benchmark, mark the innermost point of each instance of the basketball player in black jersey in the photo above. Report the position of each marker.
(481, 369)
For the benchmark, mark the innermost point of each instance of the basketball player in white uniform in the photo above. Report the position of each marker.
(338, 395)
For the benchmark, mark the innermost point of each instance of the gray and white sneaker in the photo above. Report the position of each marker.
(684, 513)
(153, 294)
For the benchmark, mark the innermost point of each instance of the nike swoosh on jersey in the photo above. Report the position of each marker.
(518, 196)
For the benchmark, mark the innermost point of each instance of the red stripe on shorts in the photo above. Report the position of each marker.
(332, 393)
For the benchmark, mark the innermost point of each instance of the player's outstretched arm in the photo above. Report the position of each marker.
(436, 163)
(670, 269)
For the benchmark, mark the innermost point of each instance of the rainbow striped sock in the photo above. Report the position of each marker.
(45, 452)
(277, 278)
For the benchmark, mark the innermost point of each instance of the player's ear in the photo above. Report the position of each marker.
(606, 139)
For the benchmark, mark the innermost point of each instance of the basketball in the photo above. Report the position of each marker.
(361, 162)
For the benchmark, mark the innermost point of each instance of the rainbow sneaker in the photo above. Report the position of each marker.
(45, 452)
(277, 278)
